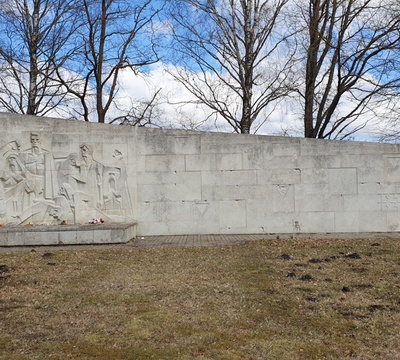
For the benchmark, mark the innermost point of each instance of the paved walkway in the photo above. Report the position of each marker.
(201, 240)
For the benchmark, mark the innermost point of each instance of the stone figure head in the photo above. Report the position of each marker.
(35, 140)
(86, 151)
(73, 159)
(13, 163)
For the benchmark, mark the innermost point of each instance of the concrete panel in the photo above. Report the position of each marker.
(286, 148)
(170, 192)
(232, 214)
(390, 202)
(13, 238)
(361, 160)
(315, 222)
(147, 210)
(372, 202)
(223, 143)
(265, 193)
(160, 178)
(347, 222)
(164, 163)
(257, 157)
(352, 147)
(307, 189)
(280, 223)
(173, 211)
(278, 176)
(281, 162)
(314, 176)
(229, 161)
(101, 236)
(283, 199)
(315, 147)
(376, 188)
(160, 142)
(318, 161)
(200, 162)
(261, 218)
(71, 237)
(343, 181)
(200, 210)
(393, 221)
(333, 203)
(66, 234)
(238, 177)
(85, 237)
(130, 232)
(140, 164)
(309, 202)
(258, 214)
(392, 168)
(207, 162)
(40, 238)
(235, 192)
(375, 221)
(370, 174)
(205, 214)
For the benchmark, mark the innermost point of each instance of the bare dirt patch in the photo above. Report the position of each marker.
(272, 299)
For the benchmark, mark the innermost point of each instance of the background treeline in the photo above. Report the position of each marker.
(330, 66)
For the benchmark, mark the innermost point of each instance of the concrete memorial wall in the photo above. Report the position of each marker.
(56, 172)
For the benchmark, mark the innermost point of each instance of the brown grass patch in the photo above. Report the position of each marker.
(281, 299)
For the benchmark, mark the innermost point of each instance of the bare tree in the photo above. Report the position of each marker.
(141, 112)
(351, 62)
(114, 35)
(230, 57)
(33, 35)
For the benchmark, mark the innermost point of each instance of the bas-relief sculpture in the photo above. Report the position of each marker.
(36, 187)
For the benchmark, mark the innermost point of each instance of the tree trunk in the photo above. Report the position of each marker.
(33, 69)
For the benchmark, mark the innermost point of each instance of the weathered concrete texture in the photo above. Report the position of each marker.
(174, 182)
(67, 234)
(227, 183)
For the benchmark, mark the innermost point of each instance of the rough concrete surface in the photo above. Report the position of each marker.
(176, 182)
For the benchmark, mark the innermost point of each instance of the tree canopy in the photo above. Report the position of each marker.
(334, 61)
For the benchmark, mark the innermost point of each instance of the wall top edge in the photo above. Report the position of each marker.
(37, 121)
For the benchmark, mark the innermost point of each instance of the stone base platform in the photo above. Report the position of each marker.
(67, 234)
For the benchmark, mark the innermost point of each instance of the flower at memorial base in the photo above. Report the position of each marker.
(96, 221)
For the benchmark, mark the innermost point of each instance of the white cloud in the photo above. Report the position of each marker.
(180, 108)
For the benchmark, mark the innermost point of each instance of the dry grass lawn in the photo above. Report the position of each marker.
(280, 299)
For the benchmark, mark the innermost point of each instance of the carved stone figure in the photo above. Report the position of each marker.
(116, 191)
(63, 208)
(68, 171)
(40, 162)
(29, 190)
(20, 187)
(91, 176)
